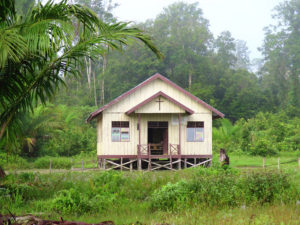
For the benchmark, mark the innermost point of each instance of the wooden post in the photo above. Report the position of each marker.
(121, 163)
(139, 124)
(185, 163)
(139, 164)
(98, 163)
(82, 165)
(72, 164)
(104, 163)
(179, 146)
(264, 162)
(130, 167)
(50, 166)
(278, 163)
(149, 164)
(194, 161)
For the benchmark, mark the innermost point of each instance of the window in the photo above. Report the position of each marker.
(195, 131)
(120, 131)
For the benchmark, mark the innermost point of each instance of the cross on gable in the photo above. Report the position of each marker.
(159, 101)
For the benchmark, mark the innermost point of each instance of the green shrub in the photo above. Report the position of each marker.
(171, 196)
(70, 201)
(263, 147)
(217, 187)
(24, 191)
(111, 181)
(56, 162)
(97, 195)
(267, 187)
(13, 162)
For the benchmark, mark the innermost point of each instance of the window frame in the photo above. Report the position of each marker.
(193, 126)
(118, 126)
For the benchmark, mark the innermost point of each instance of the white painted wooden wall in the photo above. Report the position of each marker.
(150, 112)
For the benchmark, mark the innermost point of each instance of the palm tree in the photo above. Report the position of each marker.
(226, 133)
(39, 50)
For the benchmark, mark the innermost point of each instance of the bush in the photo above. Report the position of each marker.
(171, 196)
(263, 147)
(217, 188)
(267, 187)
(111, 181)
(57, 163)
(13, 162)
(24, 191)
(70, 201)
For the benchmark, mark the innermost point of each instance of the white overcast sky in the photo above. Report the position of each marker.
(245, 19)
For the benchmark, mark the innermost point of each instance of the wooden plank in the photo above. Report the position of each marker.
(187, 162)
(139, 164)
(104, 163)
(201, 163)
(123, 166)
(179, 164)
(162, 165)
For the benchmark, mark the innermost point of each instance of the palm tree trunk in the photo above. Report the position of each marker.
(190, 80)
(95, 91)
(88, 72)
(103, 72)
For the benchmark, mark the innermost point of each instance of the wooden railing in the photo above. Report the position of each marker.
(143, 149)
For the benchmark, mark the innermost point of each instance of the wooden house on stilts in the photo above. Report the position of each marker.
(155, 125)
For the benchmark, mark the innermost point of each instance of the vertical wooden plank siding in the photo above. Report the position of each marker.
(179, 125)
(177, 131)
(139, 124)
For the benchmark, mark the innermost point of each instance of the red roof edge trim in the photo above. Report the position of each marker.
(150, 79)
(160, 93)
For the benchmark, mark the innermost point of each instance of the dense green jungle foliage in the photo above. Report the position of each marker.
(261, 100)
(265, 134)
(93, 193)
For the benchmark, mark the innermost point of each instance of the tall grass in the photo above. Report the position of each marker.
(138, 194)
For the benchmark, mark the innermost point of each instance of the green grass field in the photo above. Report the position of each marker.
(200, 196)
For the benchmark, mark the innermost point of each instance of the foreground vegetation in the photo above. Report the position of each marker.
(195, 195)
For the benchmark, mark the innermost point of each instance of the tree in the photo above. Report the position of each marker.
(185, 39)
(103, 9)
(23, 6)
(242, 55)
(281, 51)
(39, 50)
(225, 47)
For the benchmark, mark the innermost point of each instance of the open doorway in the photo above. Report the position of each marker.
(158, 137)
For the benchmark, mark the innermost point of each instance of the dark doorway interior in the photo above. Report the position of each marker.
(158, 137)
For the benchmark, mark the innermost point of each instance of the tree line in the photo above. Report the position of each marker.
(215, 69)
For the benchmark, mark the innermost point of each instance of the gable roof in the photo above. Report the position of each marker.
(160, 93)
(217, 114)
